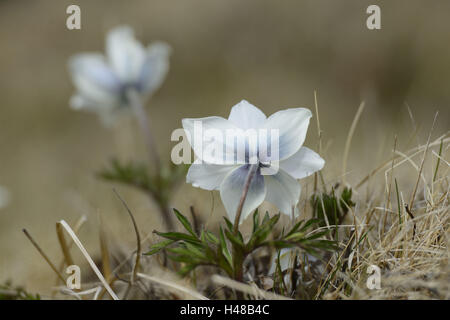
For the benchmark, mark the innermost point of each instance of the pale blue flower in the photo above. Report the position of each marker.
(292, 161)
(102, 81)
(286, 260)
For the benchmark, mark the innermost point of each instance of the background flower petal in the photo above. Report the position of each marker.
(93, 78)
(155, 67)
(126, 54)
(231, 191)
(287, 256)
(108, 111)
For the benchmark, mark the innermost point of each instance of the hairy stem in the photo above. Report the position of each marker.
(167, 214)
(139, 112)
(144, 123)
(238, 254)
(248, 181)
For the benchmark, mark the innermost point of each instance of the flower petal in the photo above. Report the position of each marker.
(82, 102)
(108, 112)
(292, 125)
(207, 137)
(232, 187)
(155, 67)
(246, 116)
(287, 256)
(207, 176)
(283, 191)
(94, 79)
(125, 53)
(302, 163)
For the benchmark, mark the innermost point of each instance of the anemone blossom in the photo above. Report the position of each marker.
(102, 81)
(291, 160)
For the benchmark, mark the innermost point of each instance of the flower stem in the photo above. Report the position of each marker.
(139, 111)
(248, 180)
(166, 212)
(238, 253)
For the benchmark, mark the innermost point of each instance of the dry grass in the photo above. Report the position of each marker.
(402, 230)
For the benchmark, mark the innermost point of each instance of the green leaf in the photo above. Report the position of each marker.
(255, 220)
(235, 239)
(317, 235)
(279, 273)
(323, 244)
(196, 251)
(203, 236)
(183, 258)
(224, 247)
(185, 222)
(361, 239)
(266, 217)
(211, 237)
(294, 228)
(312, 251)
(279, 244)
(178, 236)
(159, 246)
(130, 173)
(346, 199)
(295, 236)
(184, 271)
(332, 207)
(224, 262)
(308, 224)
(263, 231)
(189, 251)
(229, 224)
(10, 292)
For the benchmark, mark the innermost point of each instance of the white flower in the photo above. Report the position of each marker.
(292, 162)
(4, 197)
(102, 81)
(287, 256)
(287, 259)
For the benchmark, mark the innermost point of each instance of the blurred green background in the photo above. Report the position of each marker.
(271, 53)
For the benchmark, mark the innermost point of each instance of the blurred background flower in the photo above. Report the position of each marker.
(102, 82)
